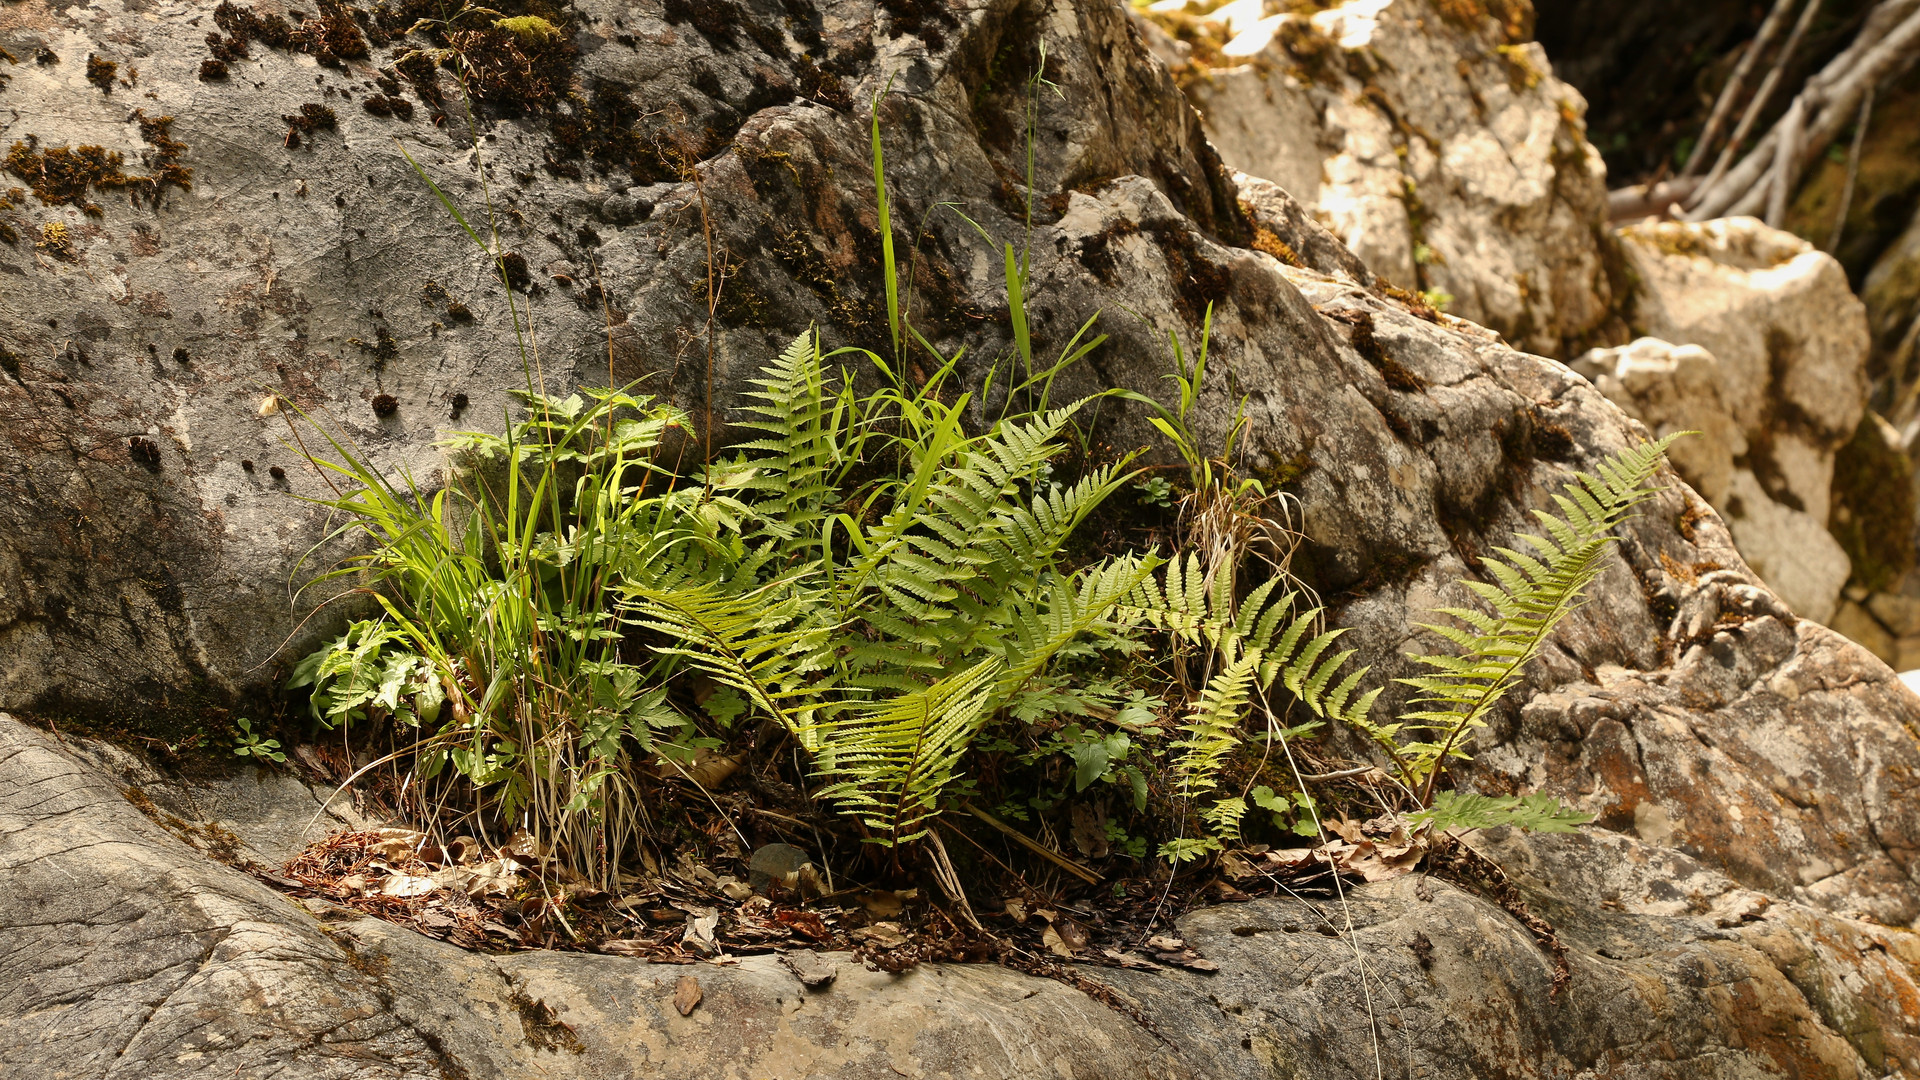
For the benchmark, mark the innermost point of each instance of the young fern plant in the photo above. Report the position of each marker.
(1532, 591)
(1250, 645)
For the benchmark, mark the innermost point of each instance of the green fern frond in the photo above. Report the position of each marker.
(893, 760)
(791, 472)
(1468, 810)
(757, 641)
(1530, 595)
(1213, 726)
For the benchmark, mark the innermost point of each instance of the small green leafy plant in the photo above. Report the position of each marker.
(249, 743)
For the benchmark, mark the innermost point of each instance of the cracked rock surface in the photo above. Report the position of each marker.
(127, 952)
(1754, 773)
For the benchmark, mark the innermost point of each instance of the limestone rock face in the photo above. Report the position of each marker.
(700, 198)
(1758, 344)
(1437, 145)
(130, 952)
(1754, 773)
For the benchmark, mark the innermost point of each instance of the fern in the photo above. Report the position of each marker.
(883, 645)
(1467, 810)
(1251, 644)
(1255, 642)
(757, 641)
(893, 761)
(1531, 592)
(793, 470)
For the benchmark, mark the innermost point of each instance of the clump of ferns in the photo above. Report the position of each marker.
(1241, 627)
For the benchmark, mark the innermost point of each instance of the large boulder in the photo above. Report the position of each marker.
(131, 952)
(1756, 342)
(677, 195)
(1432, 138)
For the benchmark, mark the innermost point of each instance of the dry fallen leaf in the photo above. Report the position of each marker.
(813, 970)
(686, 995)
(709, 769)
(399, 845)
(1089, 832)
(1130, 960)
(886, 903)
(1064, 937)
(701, 924)
(887, 935)
(407, 885)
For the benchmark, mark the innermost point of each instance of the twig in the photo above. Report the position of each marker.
(1735, 83)
(1783, 155)
(1890, 37)
(1763, 94)
(995, 859)
(1341, 775)
(949, 881)
(1044, 852)
(1853, 170)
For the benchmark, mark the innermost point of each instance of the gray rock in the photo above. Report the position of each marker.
(129, 953)
(1777, 392)
(1730, 748)
(157, 575)
(1433, 141)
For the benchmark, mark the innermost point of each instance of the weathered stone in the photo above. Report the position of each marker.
(1684, 703)
(329, 274)
(1674, 388)
(1790, 337)
(1777, 386)
(1857, 624)
(1437, 144)
(129, 953)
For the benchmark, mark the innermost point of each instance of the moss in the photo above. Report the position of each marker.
(1096, 251)
(57, 240)
(388, 105)
(543, 1028)
(385, 405)
(504, 68)
(1873, 505)
(604, 128)
(1361, 336)
(1198, 282)
(101, 72)
(928, 20)
(715, 20)
(513, 267)
(312, 117)
(1513, 18)
(65, 175)
(144, 452)
(13, 198)
(211, 838)
(1415, 303)
(1265, 239)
